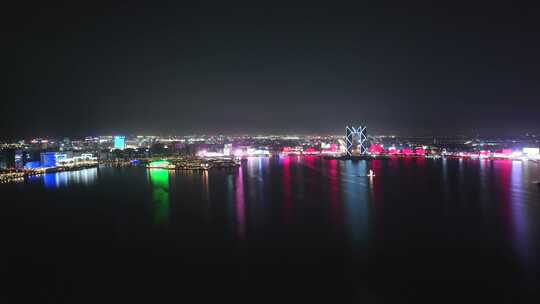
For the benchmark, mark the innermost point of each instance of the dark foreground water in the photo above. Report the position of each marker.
(278, 229)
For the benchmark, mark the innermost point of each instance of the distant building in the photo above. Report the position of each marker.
(120, 142)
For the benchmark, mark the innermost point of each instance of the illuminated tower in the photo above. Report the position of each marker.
(356, 138)
(120, 142)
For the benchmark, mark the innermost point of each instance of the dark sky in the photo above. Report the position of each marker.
(133, 68)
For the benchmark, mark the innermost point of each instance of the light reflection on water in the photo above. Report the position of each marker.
(207, 203)
(160, 194)
(289, 192)
(84, 177)
(418, 225)
(288, 208)
(356, 201)
(240, 205)
(519, 213)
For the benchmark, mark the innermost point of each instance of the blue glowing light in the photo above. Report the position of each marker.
(48, 159)
(32, 165)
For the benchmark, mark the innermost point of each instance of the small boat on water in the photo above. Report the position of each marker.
(370, 174)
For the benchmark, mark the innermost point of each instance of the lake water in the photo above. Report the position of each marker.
(279, 229)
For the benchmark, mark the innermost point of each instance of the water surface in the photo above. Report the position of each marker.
(300, 228)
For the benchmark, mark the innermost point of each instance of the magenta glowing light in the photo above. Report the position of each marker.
(311, 151)
(376, 149)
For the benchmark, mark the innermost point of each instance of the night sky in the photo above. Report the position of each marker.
(131, 68)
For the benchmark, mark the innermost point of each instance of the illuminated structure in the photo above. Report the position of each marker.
(160, 164)
(356, 138)
(227, 149)
(291, 150)
(49, 159)
(330, 149)
(120, 142)
(85, 159)
(32, 165)
(251, 152)
(533, 153)
(376, 149)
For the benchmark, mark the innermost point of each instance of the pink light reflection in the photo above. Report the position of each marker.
(287, 191)
(240, 205)
(335, 193)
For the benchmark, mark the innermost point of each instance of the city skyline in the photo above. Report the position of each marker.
(171, 136)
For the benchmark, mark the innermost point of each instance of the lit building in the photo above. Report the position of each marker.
(32, 165)
(48, 159)
(120, 142)
(51, 159)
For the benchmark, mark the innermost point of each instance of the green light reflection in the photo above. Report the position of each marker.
(160, 184)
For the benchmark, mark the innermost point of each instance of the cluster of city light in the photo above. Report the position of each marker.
(84, 159)
(251, 152)
(207, 154)
(220, 147)
(11, 176)
(238, 153)
(51, 162)
(326, 149)
(378, 149)
(524, 154)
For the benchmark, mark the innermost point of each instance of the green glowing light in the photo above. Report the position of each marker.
(159, 163)
(160, 183)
